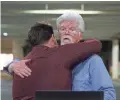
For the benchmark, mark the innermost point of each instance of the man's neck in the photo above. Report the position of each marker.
(48, 45)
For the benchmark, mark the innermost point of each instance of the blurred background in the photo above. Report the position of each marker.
(102, 20)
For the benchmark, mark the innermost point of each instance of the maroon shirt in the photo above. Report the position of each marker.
(51, 68)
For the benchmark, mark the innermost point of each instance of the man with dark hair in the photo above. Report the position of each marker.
(51, 64)
(40, 33)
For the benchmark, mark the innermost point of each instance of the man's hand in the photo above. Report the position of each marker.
(20, 68)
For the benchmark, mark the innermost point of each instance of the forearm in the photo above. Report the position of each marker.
(88, 48)
(80, 51)
(85, 49)
(8, 68)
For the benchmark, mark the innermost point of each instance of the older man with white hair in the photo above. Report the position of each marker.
(89, 75)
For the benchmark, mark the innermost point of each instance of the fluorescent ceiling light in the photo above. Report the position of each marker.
(60, 11)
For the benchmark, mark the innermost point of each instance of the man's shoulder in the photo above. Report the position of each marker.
(95, 63)
(88, 64)
(91, 62)
(28, 56)
(93, 58)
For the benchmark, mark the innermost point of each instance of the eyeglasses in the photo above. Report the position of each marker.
(68, 30)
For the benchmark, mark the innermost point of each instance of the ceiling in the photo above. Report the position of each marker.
(101, 26)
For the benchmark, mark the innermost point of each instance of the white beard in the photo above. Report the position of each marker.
(66, 40)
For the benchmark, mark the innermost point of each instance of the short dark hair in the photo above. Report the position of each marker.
(39, 34)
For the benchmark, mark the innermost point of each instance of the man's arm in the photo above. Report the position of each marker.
(19, 67)
(100, 78)
(79, 51)
(83, 49)
(8, 68)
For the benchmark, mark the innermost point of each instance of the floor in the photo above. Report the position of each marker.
(6, 88)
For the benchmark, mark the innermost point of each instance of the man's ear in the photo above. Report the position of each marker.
(81, 35)
(52, 38)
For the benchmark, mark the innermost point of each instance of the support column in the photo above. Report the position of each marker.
(17, 48)
(115, 58)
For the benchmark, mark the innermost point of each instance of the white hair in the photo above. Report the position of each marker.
(71, 15)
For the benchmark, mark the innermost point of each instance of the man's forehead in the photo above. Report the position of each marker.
(68, 22)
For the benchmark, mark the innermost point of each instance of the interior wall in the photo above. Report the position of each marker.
(6, 46)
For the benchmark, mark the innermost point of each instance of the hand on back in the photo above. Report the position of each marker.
(20, 68)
